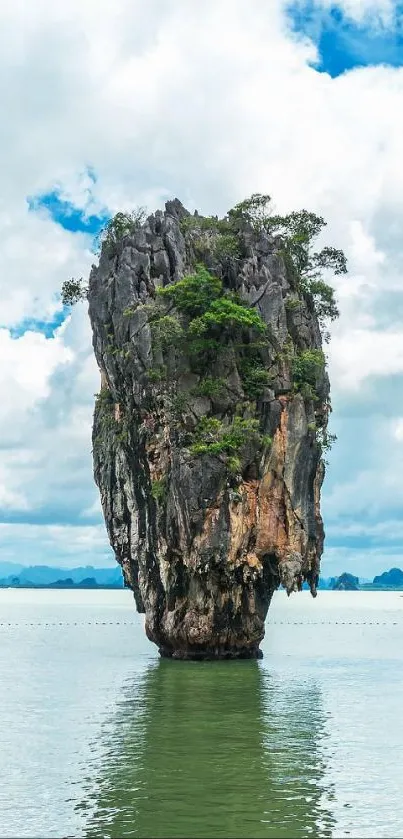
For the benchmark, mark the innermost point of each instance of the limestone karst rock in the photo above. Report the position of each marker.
(207, 454)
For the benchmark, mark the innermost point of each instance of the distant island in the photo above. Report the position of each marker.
(13, 575)
(388, 581)
(43, 576)
(346, 582)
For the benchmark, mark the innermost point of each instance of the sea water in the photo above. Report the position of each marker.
(101, 738)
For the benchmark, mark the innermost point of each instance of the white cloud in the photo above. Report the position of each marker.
(36, 256)
(45, 423)
(357, 354)
(209, 102)
(389, 530)
(376, 12)
(27, 364)
(54, 545)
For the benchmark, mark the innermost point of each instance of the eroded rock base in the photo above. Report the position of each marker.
(213, 654)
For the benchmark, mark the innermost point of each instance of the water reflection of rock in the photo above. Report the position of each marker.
(211, 750)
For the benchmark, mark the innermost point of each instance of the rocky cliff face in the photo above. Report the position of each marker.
(207, 459)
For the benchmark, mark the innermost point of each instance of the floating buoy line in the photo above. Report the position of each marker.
(49, 624)
(59, 624)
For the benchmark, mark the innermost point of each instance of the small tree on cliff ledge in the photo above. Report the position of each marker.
(299, 231)
(73, 291)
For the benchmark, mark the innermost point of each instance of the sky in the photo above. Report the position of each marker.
(110, 106)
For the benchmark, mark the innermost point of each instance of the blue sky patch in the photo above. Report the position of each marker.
(47, 328)
(344, 44)
(67, 215)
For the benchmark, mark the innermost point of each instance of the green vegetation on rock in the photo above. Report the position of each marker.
(159, 489)
(213, 437)
(210, 386)
(73, 291)
(254, 376)
(325, 439)
(166, 332)
(204, 320)
(298, 231)
(253, 212)
(195, 293)
(307, 368)
(226, 246)
(121, 225)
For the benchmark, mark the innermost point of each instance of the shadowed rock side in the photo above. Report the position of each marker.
(203, 546)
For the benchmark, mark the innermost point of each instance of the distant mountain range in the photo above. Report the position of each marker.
(42, 576)
(13, 575)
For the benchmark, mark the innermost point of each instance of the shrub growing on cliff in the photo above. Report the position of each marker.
(226, 247)
(254, 376)
(159, 489)
(325, 439)
(299, 231)
(253, 212)
(104, 397)
(306, 368)
(203, 224)
(324, 300)
(73, 291)
(166, 332)
(214, 438)
(122, 224)
(212, 235)
(226, 315)
(193, 295)
(210, 318)
(210, 386)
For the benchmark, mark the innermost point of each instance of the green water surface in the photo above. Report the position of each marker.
(101, 738)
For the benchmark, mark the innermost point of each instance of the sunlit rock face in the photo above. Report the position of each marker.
(205, 537)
